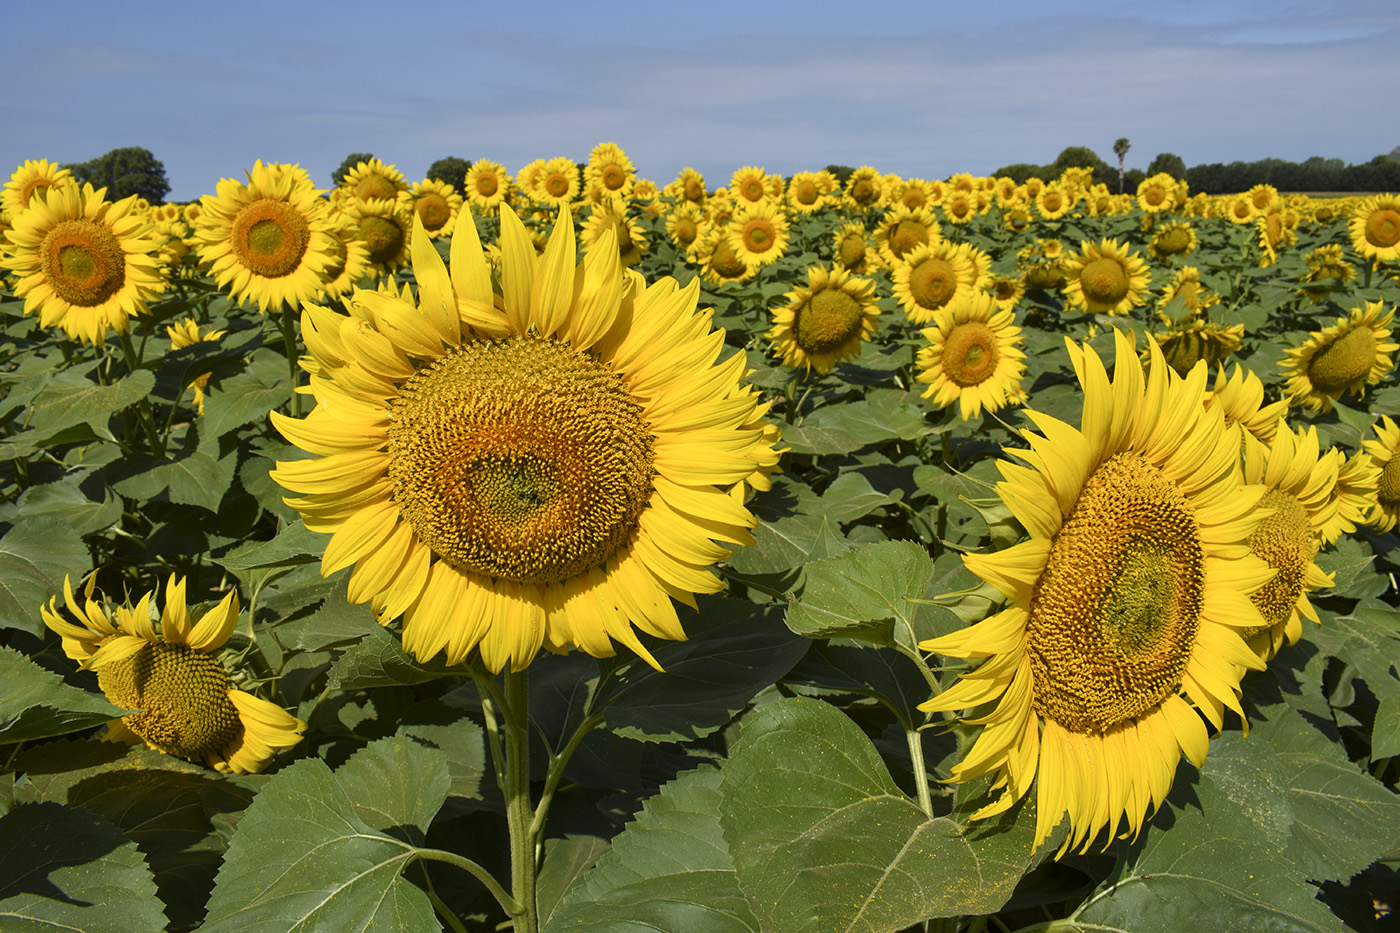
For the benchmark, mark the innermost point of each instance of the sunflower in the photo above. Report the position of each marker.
(1053, 202)
(1008, 192)
(963, 183)
(1375, 228)
(186, 334)
(959, 208)
(85, 264)
(758, 233)
(1275, 233)
(1007, 291)
(1194, 339)
(349, 262)
(1126, 603)
(628, 236)
(974, 356)
(1384, 454)
(1240, 210)
(804, 193)
(930, 278)
(865, 188)
(1106, 278)
(902, 230)
(1261, 196)
(1341, 359)
(1177, 238)
(683, 224)
(31, 177)
(188, 707)
(610, 171)
(751, 185)
(688, 186)
(1355, 494)
(915, 194)
(825, 321)
(436, 203)
(1328, 270)
(1298, 480)
(852, 249)
(545, 466)
(386, 229)
(267, 241)
(1194, 297)
(558, 183)
(717, 261)
(374, 181)
(1157, 194)
(488, 186)
(1016, 218)
(1240, 398)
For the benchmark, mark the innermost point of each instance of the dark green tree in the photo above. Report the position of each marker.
(124, 172)
(1169, 162)
(352, 160)
(1120, 149)
(843, 173)
(451, 170)
(1020, 171)
(1080, 157)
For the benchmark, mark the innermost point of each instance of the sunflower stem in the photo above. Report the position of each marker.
(143, 408)
(507, 902)
(557, 764)
(519, 812)
(289, 341)
(916, 757)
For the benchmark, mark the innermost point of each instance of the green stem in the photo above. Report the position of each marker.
(289, 341)
(916, 755)
(476, 871)
(143, 408)
(519, 812)
(557, 764)
(440, 906)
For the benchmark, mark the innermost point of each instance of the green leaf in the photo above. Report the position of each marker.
(301, 858)
(35, 555)
(295, 544)
(336, 622)
(65, 501)
(193, 477)
(377, 660)
(848, 426)
(566, 860)
(247, 397)
(850, 496)
(395, 782)
(734, 650)
(463, 742)
(789, 542)
(65, 869)
(1367, 640)
(61, 406)
(823, 839)
(669, 869)
(36, 704)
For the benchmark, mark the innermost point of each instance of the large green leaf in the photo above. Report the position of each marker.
(36, 704)
(193, 477)
(35, 555)
(735, 649)
(59, 407)
(247, 397)
(1369, 641)
(377, 660)
(63, 869)
(883, 415)
(395, 782)
(823, 839)
(790, 542)
(302, 859)
(66, 501)
(668, 870)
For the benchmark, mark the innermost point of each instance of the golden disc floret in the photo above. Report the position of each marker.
(183, 698)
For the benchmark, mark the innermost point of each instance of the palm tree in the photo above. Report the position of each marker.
(1120, 148)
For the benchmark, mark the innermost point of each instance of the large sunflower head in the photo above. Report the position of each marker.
(852, 250)
(436, 203)
(1384, 454)
(750, 184)
(758, 233)
(1298, 480)
(1125, 604)
(930, 278)
(865, 188)
(386, 230)
(267, 241)
(974, 356)
(1177, 238)
(1157, 194)
(558, 183)
(903, 230)
(826, 320)
(610, 170)
(163, 665)
(535, 459)
(83, 263)
(374, 181)
(1375, 228)
(716, 258)
(31, 177)
(1105, 278)
(959, 208)
(1054, 201)
(488, 186)
(1341, 359)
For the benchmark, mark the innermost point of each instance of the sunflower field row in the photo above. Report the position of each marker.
(560, 550)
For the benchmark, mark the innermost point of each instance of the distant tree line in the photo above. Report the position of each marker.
(124, 172)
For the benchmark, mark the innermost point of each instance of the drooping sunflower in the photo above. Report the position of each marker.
(1240, 398)
(1126, 603)
(85, 264)
(852, 249)
(1194, 297)
(865, 188)
(610, 170)
(436, 203)
(1105, 278)
(974, 356)
(825, 321)
(628, 236)
(267, 241)
(488, 186)
(1298, 480)
(1375, 228)
(1328, 270)
(1275, 232)
(1177, 238)
(386, 230)
(543, 466)
(30, 177)
(930, 278)
(758, 233)
(1384, 453)
(374, 181)
(187, 704)
(1195, 340)
(903, 230)
(186, 334)
(1354, 493)
(1341, 359)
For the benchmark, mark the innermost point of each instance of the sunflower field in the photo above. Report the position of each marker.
(562, 551)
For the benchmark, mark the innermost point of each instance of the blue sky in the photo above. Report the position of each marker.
(923, 89)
